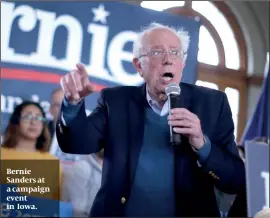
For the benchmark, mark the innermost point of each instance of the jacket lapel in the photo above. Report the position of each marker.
(184, 97)
(183, 157)
(136, 118)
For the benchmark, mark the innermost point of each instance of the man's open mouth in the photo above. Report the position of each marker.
(167, 76)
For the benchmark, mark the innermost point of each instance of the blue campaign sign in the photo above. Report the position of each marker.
(41, 41)
(257, 166)
(16, 205)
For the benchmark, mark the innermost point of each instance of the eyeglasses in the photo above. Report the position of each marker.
(31, 117)
(159, 54)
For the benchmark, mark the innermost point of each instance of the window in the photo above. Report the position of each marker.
(207, 54)
(207, 84)
(208, 10)
(222, 51)
(207, 48)
(233, 97)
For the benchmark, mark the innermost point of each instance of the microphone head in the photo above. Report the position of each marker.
(172, 88)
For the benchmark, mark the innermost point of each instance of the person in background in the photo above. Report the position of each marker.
(82, 183)
(27, 138)
(57, 96)
(27, 130)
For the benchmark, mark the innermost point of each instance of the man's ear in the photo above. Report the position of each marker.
(137, 65)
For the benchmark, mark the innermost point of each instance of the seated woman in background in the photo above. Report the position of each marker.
(26, 142)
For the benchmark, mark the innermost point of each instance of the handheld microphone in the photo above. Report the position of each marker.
(173, 92)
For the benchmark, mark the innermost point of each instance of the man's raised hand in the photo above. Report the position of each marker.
(76, 84)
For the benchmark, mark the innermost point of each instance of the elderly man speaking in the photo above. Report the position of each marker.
(143, 173)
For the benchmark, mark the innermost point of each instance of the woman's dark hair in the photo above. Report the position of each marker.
(12, 130)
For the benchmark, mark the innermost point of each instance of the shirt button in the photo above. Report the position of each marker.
(123, 200)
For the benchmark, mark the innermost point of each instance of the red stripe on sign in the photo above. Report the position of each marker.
(30, 75)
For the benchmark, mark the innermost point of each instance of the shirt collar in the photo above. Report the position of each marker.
(162, 111)
(150, 100)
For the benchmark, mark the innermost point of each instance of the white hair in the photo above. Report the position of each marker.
(182, 35)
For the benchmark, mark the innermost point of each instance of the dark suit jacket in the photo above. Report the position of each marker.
(239, 206)
(117, 125)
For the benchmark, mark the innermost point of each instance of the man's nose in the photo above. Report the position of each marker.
(167, 59)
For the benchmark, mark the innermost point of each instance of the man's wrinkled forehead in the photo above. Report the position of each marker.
(160, 38)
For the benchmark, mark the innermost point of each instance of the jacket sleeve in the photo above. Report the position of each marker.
(223, 163)
(84, 134)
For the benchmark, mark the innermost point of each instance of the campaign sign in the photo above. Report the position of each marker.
(257, 165)
(41, 41)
